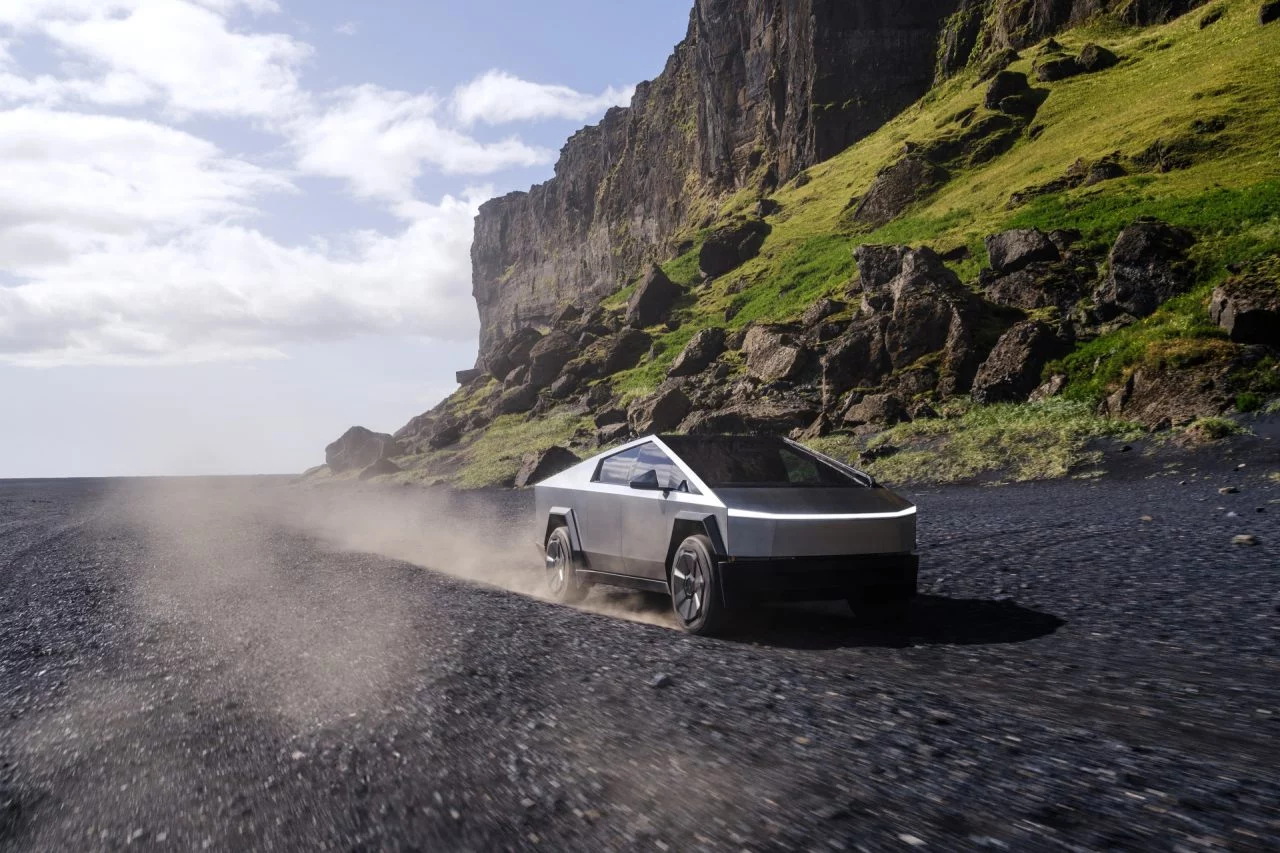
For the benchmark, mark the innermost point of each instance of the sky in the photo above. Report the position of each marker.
(231, 229)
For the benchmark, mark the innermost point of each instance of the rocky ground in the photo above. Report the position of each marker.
(235, 664)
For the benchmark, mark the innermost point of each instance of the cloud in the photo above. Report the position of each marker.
(347, 28)
(380, 140)
(497, 97)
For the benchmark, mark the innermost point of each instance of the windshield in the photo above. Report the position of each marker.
(755, 461)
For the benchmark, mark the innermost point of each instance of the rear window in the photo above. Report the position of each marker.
(755, 461)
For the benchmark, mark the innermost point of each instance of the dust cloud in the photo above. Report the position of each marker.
(243, 570)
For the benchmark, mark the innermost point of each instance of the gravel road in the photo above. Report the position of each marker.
(236, 664)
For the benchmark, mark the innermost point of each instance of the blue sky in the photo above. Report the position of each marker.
(229, 229)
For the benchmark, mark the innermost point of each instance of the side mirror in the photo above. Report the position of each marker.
(648, 482)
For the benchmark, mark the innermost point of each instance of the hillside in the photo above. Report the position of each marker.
(1074, 232)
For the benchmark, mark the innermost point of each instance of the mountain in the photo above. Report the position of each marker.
(946, 236)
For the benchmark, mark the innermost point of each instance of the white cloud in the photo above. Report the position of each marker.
(347, 28)
(380, 140)
(497, 97)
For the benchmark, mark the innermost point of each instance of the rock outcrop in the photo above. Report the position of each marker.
(1247, 306)
(358, 448)
(1148, 265)
(536, 467)
(757, 91)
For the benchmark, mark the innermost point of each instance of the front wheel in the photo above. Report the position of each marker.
(562, 569)
(695, 588)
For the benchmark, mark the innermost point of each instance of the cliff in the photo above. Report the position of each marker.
(757, 91)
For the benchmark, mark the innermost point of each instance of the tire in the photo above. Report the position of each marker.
(885, 608)
(695, 589)
(562, 569)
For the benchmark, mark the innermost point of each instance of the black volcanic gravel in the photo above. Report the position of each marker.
(189, 671)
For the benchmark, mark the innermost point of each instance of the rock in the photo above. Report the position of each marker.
(549, 356)
(730, 247)
(466, 377)
(821, 426)
(1244, 539)
(1057, 68)
(613, 434)
(1148, 265)
(567, 315)
(536, 467)
(703, 348)
(516, 400)
(773, 354)
(1104, 170)
(1160, 398)
(660, 413)
(565, 386)
(1269, 12)
(599, 396)
(1212, 16)
(772, 416)
(652, 299)
(878, 265)
(446, 432)
(381, 468)
(1012, 370)
(859, 359)
(625, 350)
(1229, 490)
(1005, 84)
(611, 416)
(660, 681)
(896, 188)
(767, 207)
(879, 409)
(359, 448)
(1094, 57)
(513, 353)
(1247, 307)
(802, 180)
(1052, 387)
(997, 62)
(1014, 250)
(821, 310)
(1038, 286)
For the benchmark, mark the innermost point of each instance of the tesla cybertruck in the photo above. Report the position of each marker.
(720, 522)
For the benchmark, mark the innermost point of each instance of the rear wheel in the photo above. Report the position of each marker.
(695, 588)
(562, 569)
(886, 608)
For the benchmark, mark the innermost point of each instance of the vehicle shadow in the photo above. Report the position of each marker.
(935, 620)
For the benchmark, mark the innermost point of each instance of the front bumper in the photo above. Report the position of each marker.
(743, 581)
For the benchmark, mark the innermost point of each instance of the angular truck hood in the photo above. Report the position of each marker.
(802, 501)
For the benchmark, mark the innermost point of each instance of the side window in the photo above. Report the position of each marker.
(800, 469)
(616, 469)
(653, 459)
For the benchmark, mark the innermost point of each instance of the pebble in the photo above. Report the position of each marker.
(660, 681)
(1229, 490)
(1244, 539)
(913, 840)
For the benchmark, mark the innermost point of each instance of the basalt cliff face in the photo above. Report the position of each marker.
(757, 91)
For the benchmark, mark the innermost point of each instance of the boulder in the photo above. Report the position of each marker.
(997, 62)
(516, 400)
(517, 377)
(1104, 170)
(446, 431)
(599, 395)
(878, 409)
(549, 356)
(1095, 57)
(466, 377)
(1148, 266)
(1006, 84)
(381, 468)
(1162, 397)
(566, 316)
(513, 352)
(613, 434)
(930, 311)
(1269, 12)
(1012, 370)
(703, 348)
(1013, 250)
(730, 247)
(773, 354)
(536, 467)
(1052, 387)
(624, 350)
(610, 416)
(819, 311)
(661, 412)
(773, 416)
(856, 360)
(896, 188)
(1057, 68)
(359, 448)
(1247, 308)
(767, 207)
(652, 299)
(878, 265)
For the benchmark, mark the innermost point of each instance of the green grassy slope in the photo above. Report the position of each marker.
(1205, 99)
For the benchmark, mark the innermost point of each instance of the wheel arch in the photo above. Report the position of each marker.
(562, 516)
(691, 523)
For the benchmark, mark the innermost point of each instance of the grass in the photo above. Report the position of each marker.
(1016, 441)
(1214, 429)
(495, 455)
